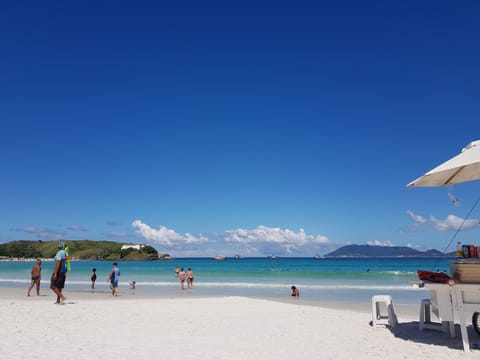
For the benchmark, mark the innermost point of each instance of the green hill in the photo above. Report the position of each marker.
(79, 249)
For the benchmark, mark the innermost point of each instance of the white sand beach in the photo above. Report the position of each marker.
(131, 326)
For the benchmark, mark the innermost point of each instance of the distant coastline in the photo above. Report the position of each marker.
(30, 250)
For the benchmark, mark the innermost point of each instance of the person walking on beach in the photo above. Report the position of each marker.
(93, 277)
(113, 278)
(190, 278)
(57, 282)
(182, 276)
(36, 275)
(295, 291)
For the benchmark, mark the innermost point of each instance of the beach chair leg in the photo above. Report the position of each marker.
(458, 304)
(425, 320)
(391, 317)
(450, 328)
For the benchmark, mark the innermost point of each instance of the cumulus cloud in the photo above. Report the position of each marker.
(451, 223)
(380, 243)
(164, 236)
(414, 246)
(274, 238)
(260, 241)
(272, 235)
(416, 218)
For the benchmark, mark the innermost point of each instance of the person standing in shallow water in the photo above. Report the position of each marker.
(93, 277)
(295, 291)
(182, 277)
(190, 278)
(113, 278)
(36, 276)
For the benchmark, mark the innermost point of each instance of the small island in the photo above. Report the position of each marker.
(366, 251)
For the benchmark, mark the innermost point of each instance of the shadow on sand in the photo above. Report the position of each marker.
(409, 331)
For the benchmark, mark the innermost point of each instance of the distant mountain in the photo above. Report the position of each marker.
(434, 252)
(383, 251)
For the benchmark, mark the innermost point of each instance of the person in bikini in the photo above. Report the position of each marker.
(182, 276)
(190, 278)
(36, 275)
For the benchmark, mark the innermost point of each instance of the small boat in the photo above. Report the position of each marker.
(238, 257)
(319, 257)
(219, 258)
(272, 256)
(437, 277)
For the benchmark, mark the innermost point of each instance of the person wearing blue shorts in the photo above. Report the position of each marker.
(57, 281)
(113, 278)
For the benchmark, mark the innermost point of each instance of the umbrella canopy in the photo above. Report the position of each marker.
(461, 168)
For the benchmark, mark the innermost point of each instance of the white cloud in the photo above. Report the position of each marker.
(247, 242)
(380, 243)
(274, 239)
(416, 246)
(273, 235)
(164, 236)
(451, 223)
(416, 218)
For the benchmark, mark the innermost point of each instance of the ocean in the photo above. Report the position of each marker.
(317, 279)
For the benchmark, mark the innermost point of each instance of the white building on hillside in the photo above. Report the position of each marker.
(132, 246)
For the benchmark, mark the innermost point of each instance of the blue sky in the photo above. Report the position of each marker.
(207, 128)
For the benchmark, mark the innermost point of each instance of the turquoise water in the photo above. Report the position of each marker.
(318, 279)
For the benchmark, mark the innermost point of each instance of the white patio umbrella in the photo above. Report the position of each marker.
(461, 168)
